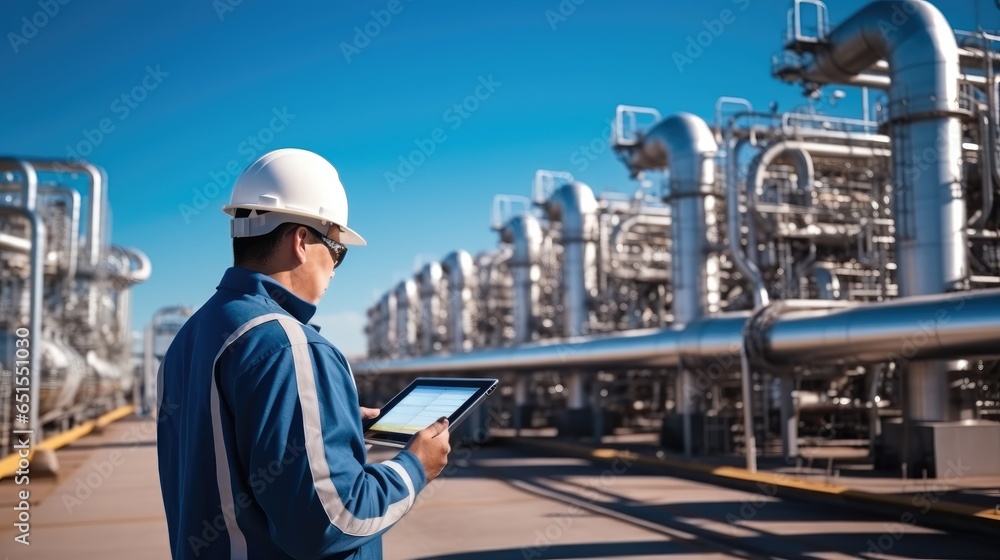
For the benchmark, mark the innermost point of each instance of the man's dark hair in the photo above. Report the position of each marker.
(260, 248)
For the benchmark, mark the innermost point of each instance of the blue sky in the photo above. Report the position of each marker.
(187, 91)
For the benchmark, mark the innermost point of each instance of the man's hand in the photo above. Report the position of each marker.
(431, 446)
(369, 413)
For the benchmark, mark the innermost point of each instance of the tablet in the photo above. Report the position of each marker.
(421, 403)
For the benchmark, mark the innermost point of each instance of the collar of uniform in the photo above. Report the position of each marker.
(249, 282)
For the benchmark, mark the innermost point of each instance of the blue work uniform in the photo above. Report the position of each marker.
(259, 437)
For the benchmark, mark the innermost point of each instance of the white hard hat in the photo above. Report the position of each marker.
(294, 186)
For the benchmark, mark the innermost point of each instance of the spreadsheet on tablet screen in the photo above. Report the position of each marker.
(422, 407)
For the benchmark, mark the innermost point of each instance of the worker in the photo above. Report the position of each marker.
(259, 437)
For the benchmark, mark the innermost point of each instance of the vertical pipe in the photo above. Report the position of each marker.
(34, 328)
(524, 233)
(521, 402)
(29, 200)
(98, 205)
(148, 371)
(685, 404)
(743, 262)
(827, 283)
(430, 284)
(749, 438)
(987, 145)
(381, 331)
(686, 145)
(789, 418)
(924, 118)
(575, 207)
(391, 323)
(460, 268)
(930, 231)
(406, 298)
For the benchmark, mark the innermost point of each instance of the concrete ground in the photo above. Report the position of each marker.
(498, 502)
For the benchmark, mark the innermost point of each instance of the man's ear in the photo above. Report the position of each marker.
(298, 241)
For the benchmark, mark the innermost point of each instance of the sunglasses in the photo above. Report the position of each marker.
(337, 249)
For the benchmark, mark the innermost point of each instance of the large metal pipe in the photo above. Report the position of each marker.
(987, 169)
(407, 303)
(71, 198)
(137, 269)
(387, 325)
(524, 233)
(827, 283)
(799, 157)
(743, 262)
(800, 154)
(617, 238)
(924, 116)
(96, 202)
(97, 210)
(429, 281)
(146, 389)
(909, 329)
(906, 330)
(575, 207)
(29, 194)
(139, 266)
(461, 271)
(685, 144)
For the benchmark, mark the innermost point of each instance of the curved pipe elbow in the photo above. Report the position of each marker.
(524, 233)
(429, 278)
(140, 268)
(572, 205)
(683, 143)
(914, 37)
(795, 152)
(460, 268)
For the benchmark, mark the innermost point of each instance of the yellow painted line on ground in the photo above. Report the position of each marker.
(8, 465)
(114, 415)
(777, 479)
(67, 437)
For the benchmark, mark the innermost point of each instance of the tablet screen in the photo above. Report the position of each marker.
(422, 407)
